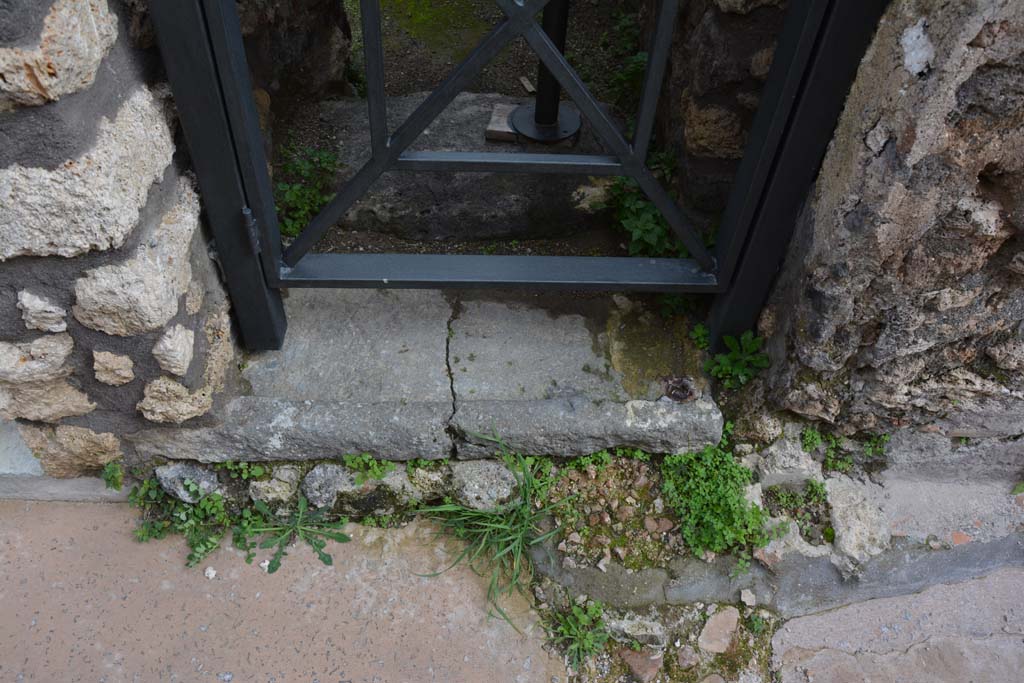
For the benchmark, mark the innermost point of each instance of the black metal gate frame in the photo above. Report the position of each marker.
(815, 61)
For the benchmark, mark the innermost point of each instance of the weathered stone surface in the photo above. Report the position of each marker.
(632, 627)
(901, 271)
(862, 531)
(66, 452)
(15, 457)
(173, 351)
(713, 131)
(39, 313)
(335, 486)
(112, 368)
(785, 463)
(791, 543)
(470, 206)
(686, 657)
(968, 631)
(172, 479)
(93, 201)
(280, 488)
(745, 6)
(141, 294)
(718, 632)
(63, 59)
(644, 665)
(482, 484)
(33, 383)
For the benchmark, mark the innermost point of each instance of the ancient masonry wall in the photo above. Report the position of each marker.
(112, 315)
(900, 307)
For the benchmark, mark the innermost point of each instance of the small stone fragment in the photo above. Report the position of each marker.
(172, 479)
(606, 558)
(686, 657)
(173, 351)
(748, 598)
(482, 484)
(785, 463)
(862, 530)
(718, 632)
(210, 573)
(280, 488)
(632, 627)
(643, 665)
(111, 368)
(40, 313)
(165, 400)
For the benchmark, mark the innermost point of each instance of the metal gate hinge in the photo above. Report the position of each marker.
(251, 230)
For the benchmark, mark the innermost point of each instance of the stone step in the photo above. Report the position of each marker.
(422, 374)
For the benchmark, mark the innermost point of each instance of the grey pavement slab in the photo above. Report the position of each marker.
(91, 604)
(15, 457)
(950, 633)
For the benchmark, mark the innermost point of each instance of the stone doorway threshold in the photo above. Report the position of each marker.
(417, 374)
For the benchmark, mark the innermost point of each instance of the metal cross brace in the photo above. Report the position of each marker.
(389, 152)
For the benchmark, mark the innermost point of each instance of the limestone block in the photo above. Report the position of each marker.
(862, 530)
(112, 368)
(33, 383)
(66, 452)
(93, 201)
(173, 351)
(39, 313)
(482, 484)
(141, 294)
(785, 463)
(64, 59)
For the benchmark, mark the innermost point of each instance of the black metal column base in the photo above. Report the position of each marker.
(523, 121)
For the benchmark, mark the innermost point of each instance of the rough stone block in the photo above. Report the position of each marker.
(33, 380)
(862, 531)
(111, 368)
(63, 58)
(39, 313)
(91, 201)
(172, 479)
(173, 351)
(67, 452)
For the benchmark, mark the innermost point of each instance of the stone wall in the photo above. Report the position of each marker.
(112, 315)
(902, 297)
(720, 60)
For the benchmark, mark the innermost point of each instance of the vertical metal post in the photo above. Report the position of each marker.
(185, 43)
(546, 120)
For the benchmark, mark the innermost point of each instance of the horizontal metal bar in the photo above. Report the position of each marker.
(501, 162)
(442, 271)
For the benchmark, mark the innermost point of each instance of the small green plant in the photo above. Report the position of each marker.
(835, 459)
(756, 624)
(829, 534)
(367, 467)
(421, 464)
(627, 82)
(874, 447)
(307, 186)
(580, 631)
(810, 439)
(497, 541)
(815, 492)
(113, 475)
(706, 490)
(243, 470)
(649, 232)
(1018, 489)
(203, 523)
(701, 336)
(262, 529)
(600, 460)
(743, 361)
(633, 454)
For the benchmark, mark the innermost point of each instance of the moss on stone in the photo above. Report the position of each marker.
(646, 350)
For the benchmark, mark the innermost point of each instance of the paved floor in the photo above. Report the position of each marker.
(969, 632)
(81, 601)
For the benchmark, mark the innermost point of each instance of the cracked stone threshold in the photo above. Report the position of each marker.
(797, 585)
(418, 374)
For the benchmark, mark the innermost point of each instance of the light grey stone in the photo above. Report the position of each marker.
(141, 294)
(39, 313)
(66, 451)
(634, 628)
(15, 456)
(720, 629)
(576, 425)
(173, 351)
(172, 479)
(918, 51)
(324, 482)
(330, 485)
(482, 484)
(947, 633)
(40, 360)
(862, 531)
(165, 400)
(112, 368)
(785, 463)
(64, 59)
(93, 201)
(82, 489)
(280, 488)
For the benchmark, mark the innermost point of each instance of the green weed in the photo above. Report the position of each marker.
(835, 460)
(810, 439)
(367, 467)
(307, 186)
(113, 475)
(743, 361)
(701, 336)
(874, 447)
(1018, 489)
(202, 524)
(260, 528)
(580, 631)
(243, 470)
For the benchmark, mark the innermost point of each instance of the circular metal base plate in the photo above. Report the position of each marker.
(522, 121)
